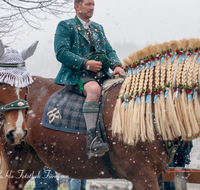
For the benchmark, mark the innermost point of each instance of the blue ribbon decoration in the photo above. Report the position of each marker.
(151, 65)
(137, 100)
(172, 60)
(198, 59)
(189, 97)
(136, 71)
(155, 99)
(194, 94)
(140, 99)
(147, 66)
(155, 61)
(194, 56)
(128, 72)
(141, 67)
(181, 58)
(166, 93)
(177, 92)
(127, 104)
(132, 71)
(185, 57)
(162, 59)
(147, 98)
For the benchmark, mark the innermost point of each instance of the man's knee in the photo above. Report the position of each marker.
(92, 89)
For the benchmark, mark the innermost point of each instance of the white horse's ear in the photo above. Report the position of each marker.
(1, 48)
(27, 52)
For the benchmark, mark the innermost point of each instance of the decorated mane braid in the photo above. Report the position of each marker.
(166, 75)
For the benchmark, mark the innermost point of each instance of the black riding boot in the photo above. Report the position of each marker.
(95, 145)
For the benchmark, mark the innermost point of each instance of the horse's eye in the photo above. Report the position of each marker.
(1, 84)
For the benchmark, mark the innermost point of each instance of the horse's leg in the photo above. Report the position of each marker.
(16, 158)
(3, 177)
(33, 167)
(144, 181)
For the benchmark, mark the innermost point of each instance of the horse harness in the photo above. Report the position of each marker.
(170, 145)
(19, 104)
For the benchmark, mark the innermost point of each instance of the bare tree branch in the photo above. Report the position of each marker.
(19, 15)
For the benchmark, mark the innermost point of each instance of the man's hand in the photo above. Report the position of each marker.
(119, 70)
(94, 66)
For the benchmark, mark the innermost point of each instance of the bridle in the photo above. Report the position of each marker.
(19, 104)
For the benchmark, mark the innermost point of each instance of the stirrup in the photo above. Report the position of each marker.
(100, 153)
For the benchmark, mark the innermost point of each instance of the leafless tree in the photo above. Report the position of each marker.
(19, 15)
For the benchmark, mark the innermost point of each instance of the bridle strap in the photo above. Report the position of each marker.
(15, 105)
(12, 64)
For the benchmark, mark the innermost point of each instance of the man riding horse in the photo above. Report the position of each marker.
(74, 40)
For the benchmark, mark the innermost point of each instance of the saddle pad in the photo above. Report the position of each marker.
(64, 112)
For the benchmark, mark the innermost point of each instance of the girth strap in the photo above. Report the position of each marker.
(102, 133)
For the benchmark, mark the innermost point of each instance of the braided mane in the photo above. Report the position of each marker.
(161, 89)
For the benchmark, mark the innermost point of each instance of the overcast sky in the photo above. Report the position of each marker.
(140, 22)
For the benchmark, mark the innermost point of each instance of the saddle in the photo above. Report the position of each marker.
(64, 109)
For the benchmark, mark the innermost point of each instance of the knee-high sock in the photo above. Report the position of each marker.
(90, 112)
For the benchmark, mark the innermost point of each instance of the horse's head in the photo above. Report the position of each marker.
(14, 79)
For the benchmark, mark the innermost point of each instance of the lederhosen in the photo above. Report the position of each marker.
(87, 76)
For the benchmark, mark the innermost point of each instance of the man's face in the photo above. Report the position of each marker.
(85, 9)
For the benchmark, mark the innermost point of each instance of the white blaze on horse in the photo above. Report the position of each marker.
(14, 79)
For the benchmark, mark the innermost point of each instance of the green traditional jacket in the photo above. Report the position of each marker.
(71, 45)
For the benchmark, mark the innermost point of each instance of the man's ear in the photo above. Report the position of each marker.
(77, 6)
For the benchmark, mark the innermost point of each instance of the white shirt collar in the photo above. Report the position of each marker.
(85, 25)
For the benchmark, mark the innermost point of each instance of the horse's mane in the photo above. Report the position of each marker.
(161, 90)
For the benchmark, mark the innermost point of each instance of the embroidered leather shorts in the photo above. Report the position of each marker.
(87, 76)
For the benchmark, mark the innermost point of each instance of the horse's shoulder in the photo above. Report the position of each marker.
(45, 83)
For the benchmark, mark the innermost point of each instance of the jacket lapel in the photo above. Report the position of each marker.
(81, 29)
(95, 34)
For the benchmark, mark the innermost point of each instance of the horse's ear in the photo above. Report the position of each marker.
(1, 48)
(27, 52)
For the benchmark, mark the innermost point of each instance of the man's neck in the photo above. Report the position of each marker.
(84, 19)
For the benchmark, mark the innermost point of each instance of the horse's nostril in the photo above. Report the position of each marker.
(10, 136)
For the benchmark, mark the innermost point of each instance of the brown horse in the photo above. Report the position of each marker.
(66, 153)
